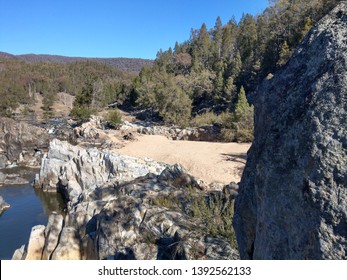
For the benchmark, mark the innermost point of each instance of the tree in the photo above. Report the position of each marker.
(144, 85)
(182, 62)
(85, 96)
(174, 105)
(81, 113)
(82, 110)
(47, 104)
(243, 118)
(201, 43)
(217, 34)
(284, 55)
(229, 40)
(247, 37)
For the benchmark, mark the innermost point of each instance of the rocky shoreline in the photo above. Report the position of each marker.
(150, 203)
(121, 207)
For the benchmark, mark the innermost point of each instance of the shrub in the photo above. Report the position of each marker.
(206, 118)
(114, 119)
(209, 118)
(215, 211)
(81, 113)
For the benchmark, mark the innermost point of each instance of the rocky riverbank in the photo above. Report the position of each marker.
(16, 175)
(21, 144)
(122, 207)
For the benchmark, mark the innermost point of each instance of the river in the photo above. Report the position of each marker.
(29, 207)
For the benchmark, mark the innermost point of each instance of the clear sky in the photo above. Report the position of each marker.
(109, 28)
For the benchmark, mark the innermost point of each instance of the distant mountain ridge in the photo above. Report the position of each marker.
(121, 63)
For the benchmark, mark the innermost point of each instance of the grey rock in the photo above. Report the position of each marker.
(19, 254)
(36, 243)
(176, 175)
(21, 143)
(292, 201)
(73, 169)
(128, 229)
(123, 208)
(90, 129)
(52, 234)
(68, 247)
(3, 205)
(216, 248)
(231, 190)
(205, 133)
(12, 179)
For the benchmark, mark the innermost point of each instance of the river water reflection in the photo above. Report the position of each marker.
(29, 207)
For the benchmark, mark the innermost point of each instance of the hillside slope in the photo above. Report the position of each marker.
(121, 63)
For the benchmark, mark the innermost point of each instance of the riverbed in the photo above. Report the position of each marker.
(29, 207)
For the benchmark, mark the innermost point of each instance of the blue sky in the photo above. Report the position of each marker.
(106, 28)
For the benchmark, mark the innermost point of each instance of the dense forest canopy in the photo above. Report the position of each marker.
(208, 72)
(213, 64)
(208, 75)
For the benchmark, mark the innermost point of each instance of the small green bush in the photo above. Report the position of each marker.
(209, 118)
(206, 118)
(81, 113)
(215, 211)
(114, 119)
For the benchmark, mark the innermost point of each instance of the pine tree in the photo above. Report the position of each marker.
(243, 118)
(284, 55)
(217, 40)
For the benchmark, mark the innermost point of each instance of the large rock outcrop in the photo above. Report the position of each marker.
(292, 201)
(72, 169)
(21, 143)
(122, 207)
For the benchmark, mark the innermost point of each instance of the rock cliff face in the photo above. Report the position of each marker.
(292, 201)
(21, 143)
(121, 208)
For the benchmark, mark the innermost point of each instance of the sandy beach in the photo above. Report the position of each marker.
(210, 162)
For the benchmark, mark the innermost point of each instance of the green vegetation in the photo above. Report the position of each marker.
(47, 103)
(95, 85)
(114, 119)
(212, 72)
(205, 79)
(214, 211)
(238, 126)
(208, 118)
(81, 113)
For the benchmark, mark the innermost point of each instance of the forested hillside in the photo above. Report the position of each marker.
(19, 81)
(209, 71)
(121, 63)
(202, 81)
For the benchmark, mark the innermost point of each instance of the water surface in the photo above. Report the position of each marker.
(29, 207)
